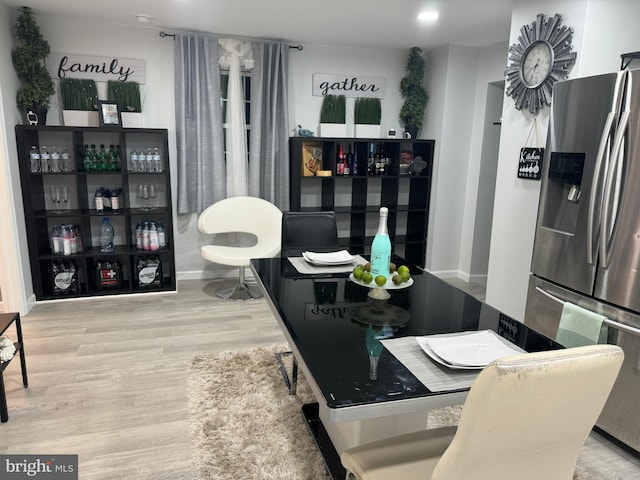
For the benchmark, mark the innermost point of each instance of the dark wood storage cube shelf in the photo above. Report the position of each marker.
(41, 216)
(356, 199)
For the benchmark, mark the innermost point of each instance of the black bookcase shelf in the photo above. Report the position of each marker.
(40, 215)
(356, 200)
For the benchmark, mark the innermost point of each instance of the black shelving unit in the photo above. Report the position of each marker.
(356, 199)
(41, 214)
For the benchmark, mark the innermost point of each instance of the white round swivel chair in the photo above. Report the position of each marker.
(246, 215)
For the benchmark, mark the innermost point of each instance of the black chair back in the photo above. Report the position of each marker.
(308, 231)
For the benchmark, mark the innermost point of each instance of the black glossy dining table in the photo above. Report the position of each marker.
(334, 328)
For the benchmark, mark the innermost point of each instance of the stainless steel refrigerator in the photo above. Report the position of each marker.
(587, 243)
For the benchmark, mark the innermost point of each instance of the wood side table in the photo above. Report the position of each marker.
(6, 319)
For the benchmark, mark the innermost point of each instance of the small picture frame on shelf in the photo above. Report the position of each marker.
(108, 114)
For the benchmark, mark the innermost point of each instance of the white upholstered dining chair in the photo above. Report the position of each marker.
(247, 215)
(526, 417)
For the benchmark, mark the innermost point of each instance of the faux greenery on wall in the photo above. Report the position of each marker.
(333, 109)
(79, 94)
(414, 94)
(367, 111)
(28, 60)
(125, 94)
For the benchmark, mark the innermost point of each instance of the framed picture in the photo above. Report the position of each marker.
(109, 114)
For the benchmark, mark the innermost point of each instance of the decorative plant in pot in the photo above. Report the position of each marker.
(414, 94)
(79, 102)
(333, 116)
(28, 60)
(367, 115)
(127, 96)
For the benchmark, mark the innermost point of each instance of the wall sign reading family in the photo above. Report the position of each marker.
(348, 85)
(101, 69)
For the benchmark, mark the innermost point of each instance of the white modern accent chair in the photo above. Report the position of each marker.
(250, 215)
(526, 417)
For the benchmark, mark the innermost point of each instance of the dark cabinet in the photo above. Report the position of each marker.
(60, 200)
(404, 187)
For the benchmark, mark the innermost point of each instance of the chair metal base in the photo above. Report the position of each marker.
(240, 291)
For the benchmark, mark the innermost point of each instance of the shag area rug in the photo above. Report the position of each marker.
(245, 425)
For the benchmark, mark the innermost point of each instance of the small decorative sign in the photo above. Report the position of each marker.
(530, 163)
(348, 85)
(61, 65)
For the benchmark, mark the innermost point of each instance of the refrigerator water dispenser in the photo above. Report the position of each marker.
(563, 192)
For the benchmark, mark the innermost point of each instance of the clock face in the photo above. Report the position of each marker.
(542, 56)
(537, 63)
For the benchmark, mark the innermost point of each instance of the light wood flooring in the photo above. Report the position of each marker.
(107, 380)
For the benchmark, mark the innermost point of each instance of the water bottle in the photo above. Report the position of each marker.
(154, 242)
(381, 247)
(162, 236)
(145, 236)
(57, 246)
(65, 160)
(134, 162)
(106, 236)
(115, 199)
(149, 160)
(139, 236)
(99, 200)
(34, 159)
(55, 160)
(45, 158)
(66, 240)
(157, 167)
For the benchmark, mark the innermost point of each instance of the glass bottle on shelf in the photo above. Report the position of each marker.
(340, 162)
(133, 164)
(381, 247)
(353, 169)
(371, 162)
(86, 158)
(99, 200)
(103, 166)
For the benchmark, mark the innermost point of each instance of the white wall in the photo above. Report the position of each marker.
(15, 274)
(378, 62)
(604, 29)
(482, 161)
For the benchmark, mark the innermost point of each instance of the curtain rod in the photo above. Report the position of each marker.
(164, 34)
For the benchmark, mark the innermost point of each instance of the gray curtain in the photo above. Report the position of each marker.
(199, 136)
(269, 135)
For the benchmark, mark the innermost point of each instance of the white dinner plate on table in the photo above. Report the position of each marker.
(341, 257)
(467, 350)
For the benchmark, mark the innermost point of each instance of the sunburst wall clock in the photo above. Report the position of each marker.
(542, 56)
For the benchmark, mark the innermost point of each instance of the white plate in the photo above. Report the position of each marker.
(341, 257)
(473, 349)
(424, 344)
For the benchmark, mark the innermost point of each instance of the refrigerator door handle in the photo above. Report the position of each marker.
(607, 321)
(596, 192)
(611, 187)
(591, 233)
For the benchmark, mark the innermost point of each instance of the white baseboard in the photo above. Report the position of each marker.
(479, 279)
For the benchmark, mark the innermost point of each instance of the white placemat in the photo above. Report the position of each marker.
(433, 376)
(302, 266)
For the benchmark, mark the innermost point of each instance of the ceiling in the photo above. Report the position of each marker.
(353, 23)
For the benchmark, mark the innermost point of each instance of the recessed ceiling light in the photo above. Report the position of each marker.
(428, 16)
(142, 18)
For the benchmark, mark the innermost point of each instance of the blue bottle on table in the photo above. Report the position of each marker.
(381, 247)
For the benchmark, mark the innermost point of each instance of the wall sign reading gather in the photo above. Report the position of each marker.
(348, 85)
(62, 65)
